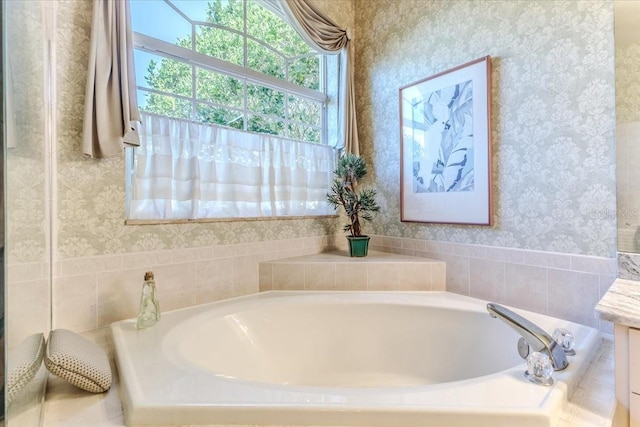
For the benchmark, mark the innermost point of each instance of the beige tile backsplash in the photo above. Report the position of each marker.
(335, 270)
(527, 287)
(558, 284)
(91, 292)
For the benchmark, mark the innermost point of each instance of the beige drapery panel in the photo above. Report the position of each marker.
(321, 33)
(111, 107)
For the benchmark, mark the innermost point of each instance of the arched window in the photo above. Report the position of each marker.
(239, 70)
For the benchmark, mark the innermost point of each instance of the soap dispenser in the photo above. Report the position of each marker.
(149, 309)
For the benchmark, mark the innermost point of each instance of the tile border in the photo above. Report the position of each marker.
(468, 261)
(226, 271)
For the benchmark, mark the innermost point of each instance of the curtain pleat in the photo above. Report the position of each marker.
(111, 107)
(324, 35)
(188, 170)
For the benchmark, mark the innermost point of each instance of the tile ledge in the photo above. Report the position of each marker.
(342, 256)
(69, 406)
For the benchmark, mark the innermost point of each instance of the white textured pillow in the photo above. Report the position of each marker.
(78, 360)
(24, 361)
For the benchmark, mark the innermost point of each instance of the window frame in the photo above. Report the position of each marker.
(191, 57)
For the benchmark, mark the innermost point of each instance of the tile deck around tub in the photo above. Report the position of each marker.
(591, 404)
(336, 270)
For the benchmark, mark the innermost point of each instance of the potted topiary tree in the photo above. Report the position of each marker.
(356, 204)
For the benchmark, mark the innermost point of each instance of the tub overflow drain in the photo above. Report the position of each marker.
(523, 348)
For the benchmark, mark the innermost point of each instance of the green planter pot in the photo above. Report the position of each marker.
(358, 246)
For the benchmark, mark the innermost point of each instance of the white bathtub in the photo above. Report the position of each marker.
(349, 359)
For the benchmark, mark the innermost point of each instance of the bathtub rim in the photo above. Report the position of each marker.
(137, 407)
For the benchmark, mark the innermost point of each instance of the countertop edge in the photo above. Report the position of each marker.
(621, 303)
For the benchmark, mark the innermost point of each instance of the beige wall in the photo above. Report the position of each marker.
(553, 115)
(26, 241)
(553, 122)
(627, 83)
(27, 202)
(627, 135)
(554, 163)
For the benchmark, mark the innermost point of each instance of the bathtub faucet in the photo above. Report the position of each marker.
(537, 338)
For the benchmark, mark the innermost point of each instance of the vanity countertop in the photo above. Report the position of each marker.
(621, 303)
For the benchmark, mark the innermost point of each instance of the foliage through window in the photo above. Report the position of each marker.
(254, 74)
(236, 65)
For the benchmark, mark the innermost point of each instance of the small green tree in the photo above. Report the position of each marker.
(356, 204)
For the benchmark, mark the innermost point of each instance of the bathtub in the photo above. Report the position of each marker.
(339, 358)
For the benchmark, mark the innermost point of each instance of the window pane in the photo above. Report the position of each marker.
(265, 60)
(142, 60)
(264, 100)
(332, 64)
(305, 71)
(265, 125)
(268, 27)
(229, 13)
(304, 110)
(164, 104)
(218, 88)
(304, 133)
(222, 116)
(169, 86)
(220, 44)
(167, 75)
(167, 24)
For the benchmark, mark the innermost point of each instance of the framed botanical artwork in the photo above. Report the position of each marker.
(445, 167)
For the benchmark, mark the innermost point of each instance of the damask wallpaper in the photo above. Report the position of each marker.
(627, 134)
(553, 128)
(553, 117)
(26, 210)
(627, 83)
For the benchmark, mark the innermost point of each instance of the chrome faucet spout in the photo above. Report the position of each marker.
(535, 336)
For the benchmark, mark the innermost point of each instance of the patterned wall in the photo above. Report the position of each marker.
(26, 230)
(27, 185)
(552, 122)
(26, 309)
(627, 83)
(553, 127)
(91, 193)
(628, 155)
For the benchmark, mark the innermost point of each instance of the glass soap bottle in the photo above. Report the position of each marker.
(149, 308)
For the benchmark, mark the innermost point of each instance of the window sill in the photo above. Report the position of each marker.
(212, 220)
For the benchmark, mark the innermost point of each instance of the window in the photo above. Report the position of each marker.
(238, 113)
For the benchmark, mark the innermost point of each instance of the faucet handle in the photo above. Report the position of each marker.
(539, 369)
(565, 340)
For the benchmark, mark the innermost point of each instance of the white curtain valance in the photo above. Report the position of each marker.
(188, 170)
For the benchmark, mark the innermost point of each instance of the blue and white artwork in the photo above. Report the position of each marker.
(445, 144)
(442, 138)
